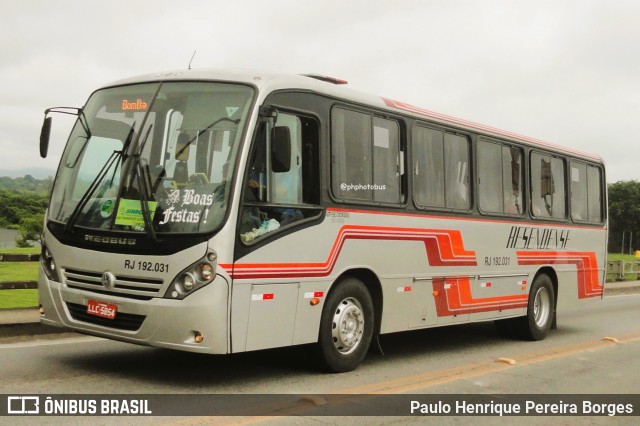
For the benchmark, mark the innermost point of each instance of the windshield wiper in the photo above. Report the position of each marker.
(144, 185)
(115, 156)
(205, 129)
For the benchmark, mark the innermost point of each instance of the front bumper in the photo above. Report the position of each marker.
(157, 322)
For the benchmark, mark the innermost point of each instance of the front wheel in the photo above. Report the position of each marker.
(346, 326)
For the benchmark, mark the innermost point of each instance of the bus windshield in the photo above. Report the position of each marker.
(152, 158)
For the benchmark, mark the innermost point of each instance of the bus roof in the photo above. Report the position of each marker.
(267, 82)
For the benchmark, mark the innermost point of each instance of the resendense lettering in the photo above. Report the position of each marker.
(527, 237)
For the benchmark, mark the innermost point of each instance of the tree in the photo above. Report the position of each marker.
(30, 231)
(624, 215)
(23, 202)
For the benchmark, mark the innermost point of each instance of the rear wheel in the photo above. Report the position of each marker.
(346, 326)
(540, 310)
(540, 313)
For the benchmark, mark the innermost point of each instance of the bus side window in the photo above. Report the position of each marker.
(367, 161)
(548, 191)
(499, 179)
(586, 194)
(456, 157)
(595, 195)
(428, 151)
(441, 171)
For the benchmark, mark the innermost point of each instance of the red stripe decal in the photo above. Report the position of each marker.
(454, 298)
(586, 263)
(443, 248)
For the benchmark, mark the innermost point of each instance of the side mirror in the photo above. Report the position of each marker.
(281, 150)
(44, 137)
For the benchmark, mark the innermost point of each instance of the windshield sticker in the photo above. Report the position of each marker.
(107, 208)
(130, 212)
(179, 216)
(137, 105)
(174, 196)
(231, 111)
(180, 206)
(190, 197)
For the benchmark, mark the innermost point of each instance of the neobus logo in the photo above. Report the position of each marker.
(137, 105)
(111, 240)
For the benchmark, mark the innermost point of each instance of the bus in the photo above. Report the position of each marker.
(216, 211)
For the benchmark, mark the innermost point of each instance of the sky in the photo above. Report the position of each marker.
(566, 72)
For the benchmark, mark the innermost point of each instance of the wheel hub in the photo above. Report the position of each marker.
(541, 307)
(348, 326)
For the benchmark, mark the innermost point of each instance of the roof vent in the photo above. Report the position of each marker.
(326, 78)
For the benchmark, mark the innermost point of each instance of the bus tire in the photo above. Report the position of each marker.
(346, 326)
(540, 310)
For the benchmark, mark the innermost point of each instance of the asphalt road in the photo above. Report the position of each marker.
(594, 351)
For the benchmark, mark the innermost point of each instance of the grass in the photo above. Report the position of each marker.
(613, 257)
(11, 299)
(19, 271)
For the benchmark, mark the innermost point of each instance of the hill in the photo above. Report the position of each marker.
(26, 183)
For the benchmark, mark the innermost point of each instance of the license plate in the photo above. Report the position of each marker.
(101, 309)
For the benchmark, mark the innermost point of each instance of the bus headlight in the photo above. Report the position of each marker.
(206, 271)
(49, 264)
(188, 282)
(193, 278)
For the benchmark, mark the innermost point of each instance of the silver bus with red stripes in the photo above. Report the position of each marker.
(221, 212)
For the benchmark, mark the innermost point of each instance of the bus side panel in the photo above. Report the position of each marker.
(308, 313)
(407, 304)
(273, 287)
(273, 315)
(240, 305)
(271, 310)
(432, 272)
(567, 296)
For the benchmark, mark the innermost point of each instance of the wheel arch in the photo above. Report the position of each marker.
(551, 273)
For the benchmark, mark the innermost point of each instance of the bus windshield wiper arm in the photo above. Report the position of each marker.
(115, 155)
(144, 186)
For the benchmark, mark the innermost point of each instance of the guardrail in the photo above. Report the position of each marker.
(19, 285)
(19, 257)
(624, 270)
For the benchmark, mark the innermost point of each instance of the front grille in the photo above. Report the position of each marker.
(122, 321)
(130, 287)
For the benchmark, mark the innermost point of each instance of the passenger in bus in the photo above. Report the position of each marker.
(252, 217)
(289, 216)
